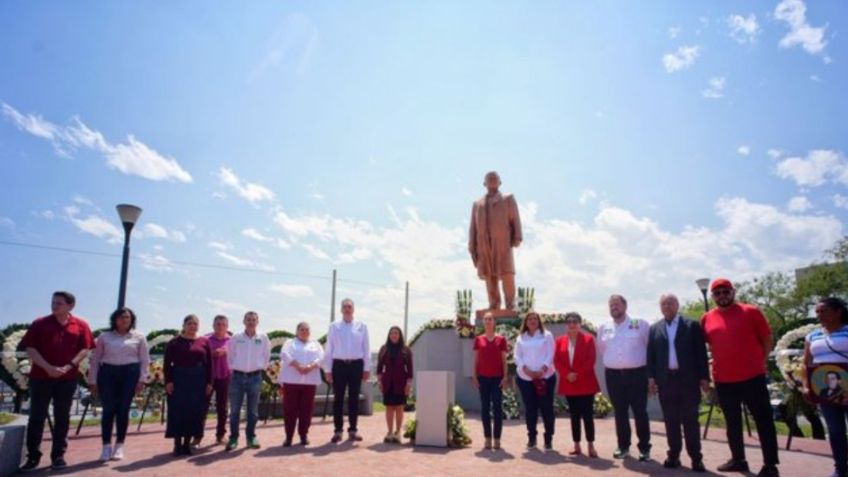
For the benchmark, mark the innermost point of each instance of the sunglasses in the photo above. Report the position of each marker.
(722, 291)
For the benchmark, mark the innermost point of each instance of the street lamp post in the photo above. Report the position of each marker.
(704, 284)
(129, 216)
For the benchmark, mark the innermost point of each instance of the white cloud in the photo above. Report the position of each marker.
(226, 306)
(94, 225)
(315, 251)
(774, 153)
(157, 231)
(254, 234)
(573, 265)
(318, 196)
(291, 46)
(815, 78)
(817, 168)
(132, 158)
(744, 29)
(840, 201)
(249, 191)
(157, 263)
(587, 195)
(811, 39)
(743, 150)
(243, 262)
(682, 59)
(674, 31)
(715, 88)
(6, 222)
(799, 204)
(292, 291)
(219, 246)
(406, 191)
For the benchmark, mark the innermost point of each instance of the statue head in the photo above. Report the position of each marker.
(492, 181)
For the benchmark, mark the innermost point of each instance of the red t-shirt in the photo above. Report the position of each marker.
(735, 337)
(57, 344)
(490, 362)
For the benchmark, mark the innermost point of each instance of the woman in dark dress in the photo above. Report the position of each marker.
(394, 369)
(188, 382)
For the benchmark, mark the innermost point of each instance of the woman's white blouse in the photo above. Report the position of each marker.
(534, 352)
(304, 353)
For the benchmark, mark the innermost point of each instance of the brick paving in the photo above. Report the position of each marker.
(149, 454)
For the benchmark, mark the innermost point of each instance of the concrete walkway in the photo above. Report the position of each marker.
(149, 454)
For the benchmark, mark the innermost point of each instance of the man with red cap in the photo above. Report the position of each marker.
(740, 340)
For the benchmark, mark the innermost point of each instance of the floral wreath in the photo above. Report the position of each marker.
(15, 365)
(789, 360)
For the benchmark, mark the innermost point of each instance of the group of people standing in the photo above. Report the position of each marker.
(668, 358)
(230, 366)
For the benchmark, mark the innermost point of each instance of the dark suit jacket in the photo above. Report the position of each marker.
(691, 352)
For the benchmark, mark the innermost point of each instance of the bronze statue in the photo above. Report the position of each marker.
(495, 228)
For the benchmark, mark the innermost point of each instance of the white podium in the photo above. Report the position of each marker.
(434, 393)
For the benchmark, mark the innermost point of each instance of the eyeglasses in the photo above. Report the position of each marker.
(722, 291)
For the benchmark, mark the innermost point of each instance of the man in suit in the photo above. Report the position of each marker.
(677, 366)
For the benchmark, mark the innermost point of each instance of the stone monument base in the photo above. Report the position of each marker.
(502, 314)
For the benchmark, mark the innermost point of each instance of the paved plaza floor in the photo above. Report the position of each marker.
(148, 453)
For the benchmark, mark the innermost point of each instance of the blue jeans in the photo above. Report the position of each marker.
(534, 404)
(242, 384)
(491, 400)
(116, 387)
(834, 416)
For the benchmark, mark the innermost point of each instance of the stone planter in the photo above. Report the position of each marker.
(12, 437)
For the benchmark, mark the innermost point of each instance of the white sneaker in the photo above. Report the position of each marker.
(106, 454)
(118, 453)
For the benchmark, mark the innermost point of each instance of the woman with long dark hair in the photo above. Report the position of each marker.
(829, 344)
(394, 369)
(188, 382)
(534, 364)
(118, 368)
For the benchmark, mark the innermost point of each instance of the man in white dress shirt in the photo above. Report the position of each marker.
(347, 361)
(248, 354)
(623, 344)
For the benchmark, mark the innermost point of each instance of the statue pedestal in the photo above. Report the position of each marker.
(435, 393)
(502, 314)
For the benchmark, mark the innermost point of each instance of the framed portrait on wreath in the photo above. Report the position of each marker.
(828, 383)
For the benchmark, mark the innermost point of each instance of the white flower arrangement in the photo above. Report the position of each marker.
(160, 339)
(788, 360)
(279, 341)
(16, 364)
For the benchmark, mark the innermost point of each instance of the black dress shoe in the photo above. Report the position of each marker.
(58, 463)
(186, 449)
(304, 441)
(287, 443)
(769, 471)
(531, 443)
(698, 466)
(734, 466)
(30, 464)
(671, 463)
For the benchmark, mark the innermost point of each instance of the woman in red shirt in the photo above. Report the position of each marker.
(574, 359)
(490, 377)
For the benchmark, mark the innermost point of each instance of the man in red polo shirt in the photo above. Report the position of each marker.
(740, 340)
(56, 344)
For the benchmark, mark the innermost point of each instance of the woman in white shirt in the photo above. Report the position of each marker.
(534, 363)
(300, 375)
(117, 372)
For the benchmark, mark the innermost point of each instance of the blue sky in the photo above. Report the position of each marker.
(647, 145)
